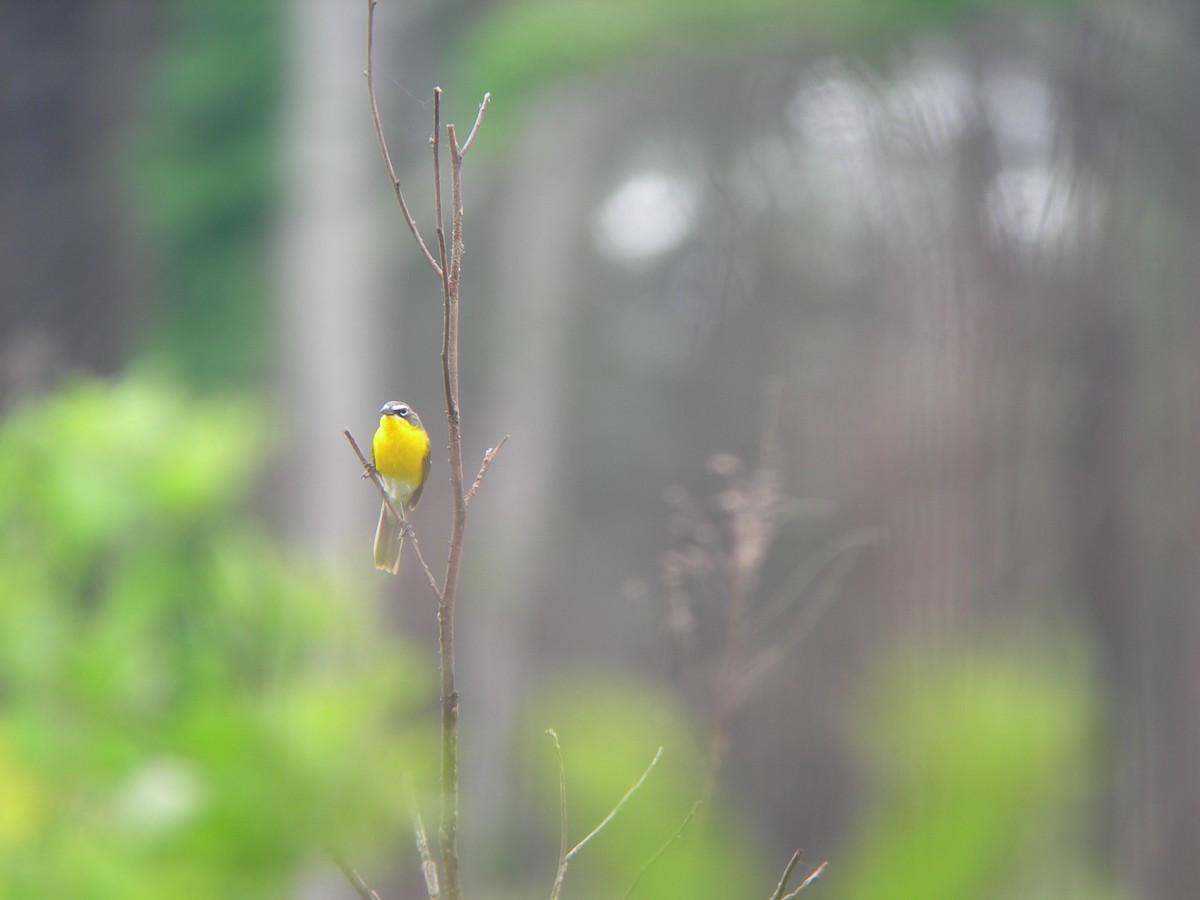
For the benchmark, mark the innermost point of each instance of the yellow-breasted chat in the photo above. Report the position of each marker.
(400, 451)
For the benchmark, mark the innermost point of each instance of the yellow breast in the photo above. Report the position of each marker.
(401, 452)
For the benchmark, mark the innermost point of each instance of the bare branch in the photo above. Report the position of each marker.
(360, 887)
(566, 858)
(383, 147)
(483, 105)
(435, 146)
(817, 873)
(369, 471)
(786, 876)
(448, 267)
(620, 803)
(487, 461)
(448, 830)
(562, 810)
(450, 332)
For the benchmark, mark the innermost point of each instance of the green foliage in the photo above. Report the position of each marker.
(186, 709)
(981, 762)
(204, 169)
(609, 732)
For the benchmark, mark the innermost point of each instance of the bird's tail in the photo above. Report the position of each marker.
(389, 540)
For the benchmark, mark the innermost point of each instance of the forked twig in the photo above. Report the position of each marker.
(787, 875)
(383, 148)
(487, 461)
(565, 858)
(369, 471)
(816, 873)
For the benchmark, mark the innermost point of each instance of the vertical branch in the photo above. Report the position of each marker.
(448, 833)
(562, 814)
(448, 267)
(435, 146)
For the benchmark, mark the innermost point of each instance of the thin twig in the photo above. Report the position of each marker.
(453, 283)
(483, 105)
(786, 876)
(383, 147)
(562, 798)
(566, 858)
(487, 461)
(435, 147)
(663, 849)
(817, 873)
(361, 887)
(369, 471)
(428, 866)
(620, 803)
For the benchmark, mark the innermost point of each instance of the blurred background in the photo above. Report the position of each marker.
(850, 355)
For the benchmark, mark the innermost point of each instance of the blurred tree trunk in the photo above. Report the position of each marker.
(534, 316)
(1133, 440)
(69, 287)
(337, 233)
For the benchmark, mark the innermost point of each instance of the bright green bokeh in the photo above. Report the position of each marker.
(981, 763)
(187, 709)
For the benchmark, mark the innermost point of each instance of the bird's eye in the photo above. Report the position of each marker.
(402, 411)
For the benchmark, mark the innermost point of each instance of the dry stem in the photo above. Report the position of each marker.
(448, 267)
(565, 857)
(383, 148)
(816, 873)
(487, 461)
(448, 830)
(361, 887)
(787, 875)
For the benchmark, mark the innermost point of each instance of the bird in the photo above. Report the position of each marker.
(400, 454)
